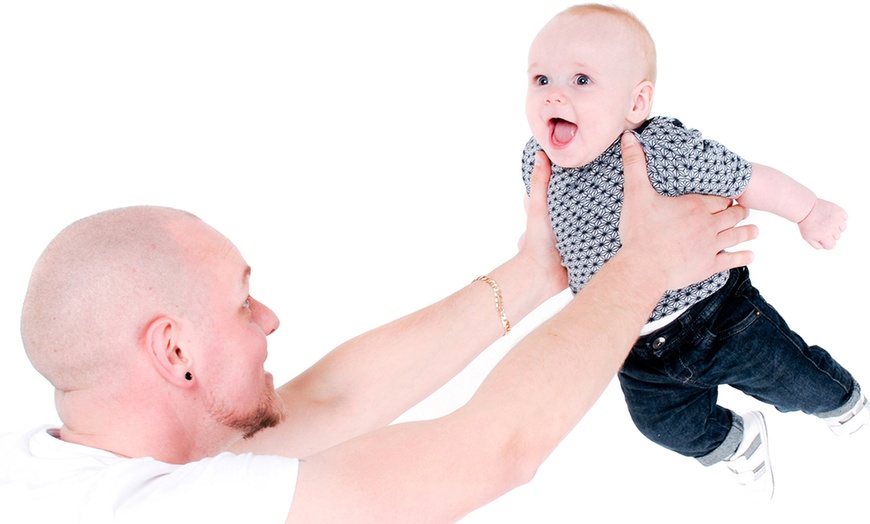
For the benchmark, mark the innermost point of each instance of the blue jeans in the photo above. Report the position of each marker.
(670, 379)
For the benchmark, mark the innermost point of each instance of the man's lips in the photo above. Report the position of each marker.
(561, 132)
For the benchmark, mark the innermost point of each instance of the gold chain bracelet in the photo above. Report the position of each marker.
(499, 303)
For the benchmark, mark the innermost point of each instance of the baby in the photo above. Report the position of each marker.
(592, 72)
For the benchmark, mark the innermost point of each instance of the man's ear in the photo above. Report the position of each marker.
(642, 99)
(163, 345)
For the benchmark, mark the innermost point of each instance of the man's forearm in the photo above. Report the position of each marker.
(439, 470)
(552, 378)
(370, 380)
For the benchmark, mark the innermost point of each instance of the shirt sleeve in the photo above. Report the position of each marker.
(681, 161)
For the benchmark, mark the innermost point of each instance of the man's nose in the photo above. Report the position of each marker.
(264, 317)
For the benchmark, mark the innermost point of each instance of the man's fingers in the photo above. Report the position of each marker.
(691, 233)
(726, 260)
(539, 183)
(634, 164)
(540, 173)
(730, 235)
(715, 203)
(737, 235)
(729, 216)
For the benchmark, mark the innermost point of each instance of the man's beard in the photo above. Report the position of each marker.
(269, 413)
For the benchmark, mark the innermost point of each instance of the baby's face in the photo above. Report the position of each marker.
(581, 81)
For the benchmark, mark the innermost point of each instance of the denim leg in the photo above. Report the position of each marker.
(772, 363)
(671, 377)
(845, 408)
(678, 414)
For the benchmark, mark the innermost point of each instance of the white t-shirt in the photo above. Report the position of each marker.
(43, 479)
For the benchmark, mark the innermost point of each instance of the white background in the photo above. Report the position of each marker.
(364, 156)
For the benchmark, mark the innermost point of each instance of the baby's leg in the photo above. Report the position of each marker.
(681, 416)
(776, 366)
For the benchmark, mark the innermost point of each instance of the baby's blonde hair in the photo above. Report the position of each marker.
(645, 42)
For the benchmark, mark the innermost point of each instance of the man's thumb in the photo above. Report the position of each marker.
(634, 164)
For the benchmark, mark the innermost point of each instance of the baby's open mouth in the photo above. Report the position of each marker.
(561, 131)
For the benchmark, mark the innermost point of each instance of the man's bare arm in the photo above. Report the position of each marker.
(439, 470)
(370, 380)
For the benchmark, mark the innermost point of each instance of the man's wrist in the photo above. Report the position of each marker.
(525, 284)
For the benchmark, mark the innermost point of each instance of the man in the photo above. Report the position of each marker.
(142, 320)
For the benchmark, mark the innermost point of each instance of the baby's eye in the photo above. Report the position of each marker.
(247, 303)
(542, 80)
(582, 80)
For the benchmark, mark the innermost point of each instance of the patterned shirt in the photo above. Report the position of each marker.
(585, 202)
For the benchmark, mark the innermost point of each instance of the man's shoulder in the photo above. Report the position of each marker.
(20, 441)
(49, 479)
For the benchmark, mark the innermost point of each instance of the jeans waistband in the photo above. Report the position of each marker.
(703, 310)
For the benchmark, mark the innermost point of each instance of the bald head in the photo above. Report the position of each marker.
(100, 281)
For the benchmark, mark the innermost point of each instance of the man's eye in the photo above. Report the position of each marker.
(542, 80)
(582, 80)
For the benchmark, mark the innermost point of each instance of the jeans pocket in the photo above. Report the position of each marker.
(735, 315)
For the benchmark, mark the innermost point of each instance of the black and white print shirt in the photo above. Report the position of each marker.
(585, 202)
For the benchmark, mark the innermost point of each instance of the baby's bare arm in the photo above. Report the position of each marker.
(820, 222)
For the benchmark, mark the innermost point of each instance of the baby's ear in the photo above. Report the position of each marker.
(642, 99)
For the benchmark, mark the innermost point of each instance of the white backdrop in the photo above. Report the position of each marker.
(364, 156)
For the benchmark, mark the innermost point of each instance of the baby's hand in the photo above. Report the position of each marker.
(822, 227)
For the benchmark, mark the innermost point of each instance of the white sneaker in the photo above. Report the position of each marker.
(751, 460)
(852, 420)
